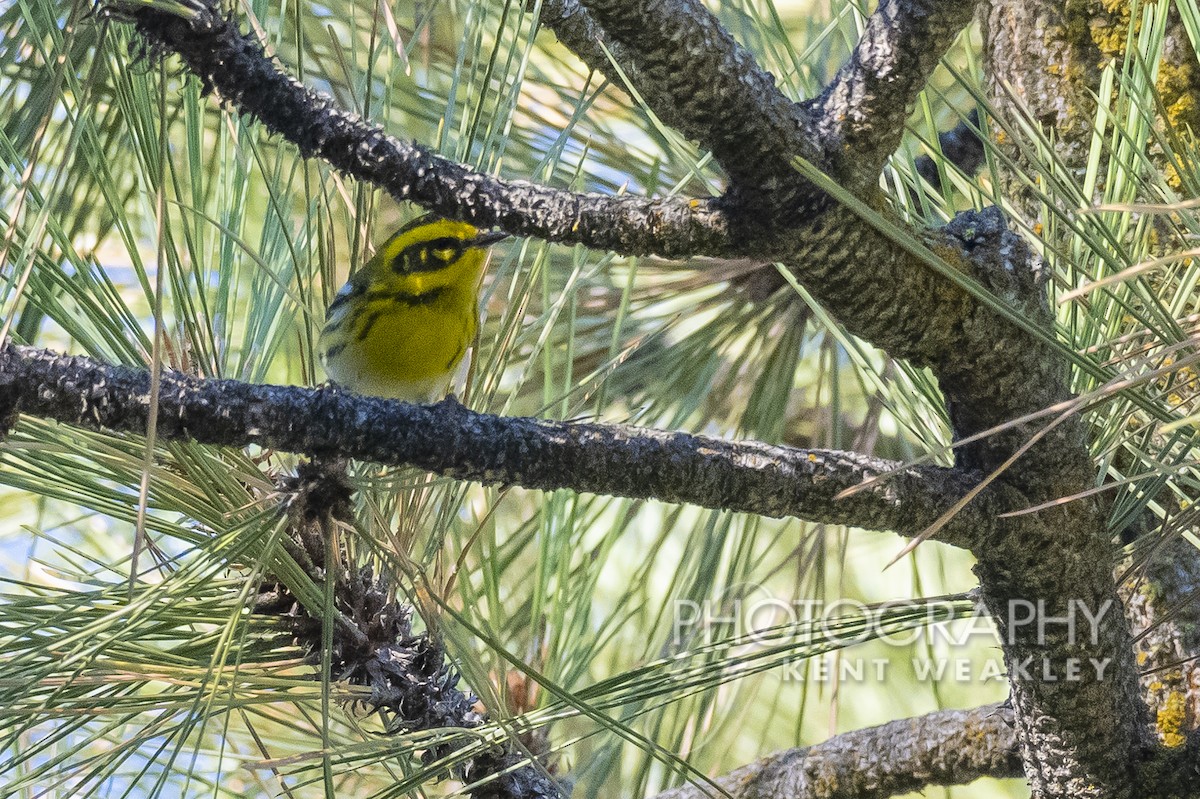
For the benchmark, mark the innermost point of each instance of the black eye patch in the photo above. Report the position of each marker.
(428, 256)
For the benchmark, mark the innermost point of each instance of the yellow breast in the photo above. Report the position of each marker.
(403, 349)
(402, 324)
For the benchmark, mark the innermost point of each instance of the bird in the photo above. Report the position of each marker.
(400, 326)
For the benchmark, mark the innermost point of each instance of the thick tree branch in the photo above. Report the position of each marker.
(707, 86)
(1162, 601)
(448, 439)
(700, 81)
(1044, 62)
(235, 65)
(859, 118)
(950, 747)
(576, 28)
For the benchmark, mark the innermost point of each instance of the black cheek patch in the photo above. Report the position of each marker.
(415, 258)
(427, 256)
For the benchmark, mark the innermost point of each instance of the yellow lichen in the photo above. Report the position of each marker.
(1171, 718)
(1177, 85)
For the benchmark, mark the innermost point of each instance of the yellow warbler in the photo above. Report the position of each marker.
(401, 324)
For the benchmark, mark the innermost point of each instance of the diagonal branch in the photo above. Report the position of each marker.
(576, 28)
(235, 65)
(451, 440)
(859, 118)
(697, 79)
(949, 747)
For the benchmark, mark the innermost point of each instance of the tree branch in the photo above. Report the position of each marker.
(1161, 594)
(577, 29)
(451, 440)
(950, 747)
(235, 65)
(697, 79)
(859, 118)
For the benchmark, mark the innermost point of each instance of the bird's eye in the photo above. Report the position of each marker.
(444, 251)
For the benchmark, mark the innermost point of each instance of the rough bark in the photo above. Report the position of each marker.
(951, 747)
(234, 64)
(859, 118)
(449, 439)
(1044, 62)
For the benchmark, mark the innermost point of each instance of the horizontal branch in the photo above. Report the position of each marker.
(451, 440)
(949, 747)
(235, 65)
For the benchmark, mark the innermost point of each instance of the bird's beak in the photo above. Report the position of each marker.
(488, 238)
